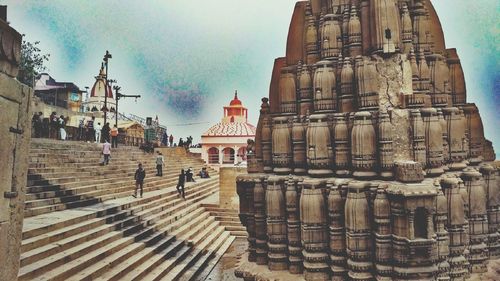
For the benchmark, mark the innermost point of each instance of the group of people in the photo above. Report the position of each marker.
(184, 176)
(167, 140)
(91, 132)
(53, 127)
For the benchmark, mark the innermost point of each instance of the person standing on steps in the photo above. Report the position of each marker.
(114, 137)
(106, 151)
(159, 164)
(105, 132)
(139, 176)
(180, 183)
(97, 130)
(90, 130)
(171, 140)
(62, 125)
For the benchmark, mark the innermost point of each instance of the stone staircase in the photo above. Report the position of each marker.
(83, 224)
(228, 218)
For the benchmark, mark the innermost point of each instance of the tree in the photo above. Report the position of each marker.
(32, 62)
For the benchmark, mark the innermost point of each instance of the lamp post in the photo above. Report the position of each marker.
(107, 56)
(118, 96)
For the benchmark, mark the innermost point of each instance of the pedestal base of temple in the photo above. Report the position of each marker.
(249, 271)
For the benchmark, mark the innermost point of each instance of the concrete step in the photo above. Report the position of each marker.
(124, 190)
(169, 197)
(88, 253)
(123, 261)
(209, 259)
(45, 223)
(201, 243)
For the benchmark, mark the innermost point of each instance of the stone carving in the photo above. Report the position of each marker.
(374, 164)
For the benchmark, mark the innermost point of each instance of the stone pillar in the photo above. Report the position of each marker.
(276, 224)
(259, 200)
(299, 146)
(305, 89)
(433, 142)
(267, 154)
(478, 219)
(385, 142)
(382, 233)
(493, 209)
(221, 155)
(347, 87)
(319, 147)
(288, 91)
(358, 233)
(418, 138)
(281, 146)
(475, 134)
(337, 233)
(442, 239)
(354, 32)
(456, 134)
(15, 128)
(314, 233)
(293, 227)
(311, 38)
(363, 146)
(325, 87)
(444, 130)
(456, 231)
(341, 146)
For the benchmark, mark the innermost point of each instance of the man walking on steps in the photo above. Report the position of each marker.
(159, 164)
(106, 151)
(180, 183)
(140, 174)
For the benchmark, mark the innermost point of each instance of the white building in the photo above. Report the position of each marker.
(226, 141)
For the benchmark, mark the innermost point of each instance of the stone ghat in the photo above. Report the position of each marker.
(441, 228)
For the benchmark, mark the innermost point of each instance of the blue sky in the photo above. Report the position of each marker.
(186, 57)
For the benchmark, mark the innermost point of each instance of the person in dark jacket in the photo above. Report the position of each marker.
(180, 183)
(189, 175)
(139, 176)
(105, 132)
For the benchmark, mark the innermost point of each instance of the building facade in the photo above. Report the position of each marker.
(226, 141)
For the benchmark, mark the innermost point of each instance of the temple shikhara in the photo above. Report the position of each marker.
(225, 142)
(369, 162)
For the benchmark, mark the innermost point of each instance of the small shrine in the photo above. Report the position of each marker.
(226, 141)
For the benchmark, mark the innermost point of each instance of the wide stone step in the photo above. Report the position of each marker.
(168, 198)
(123, 191)
(107, 244)
(201, 243)
(33, 198)
(150, 173)
(45, 223)
(207, 262)
(128, 270)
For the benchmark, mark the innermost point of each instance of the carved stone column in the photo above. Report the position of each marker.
(478, 219)
(259, 197)
(492, 208)
(337, 233)
(314, 233)
(382, 233)
(433, 142)
(293, 227)
(276, 224)
(363, 146)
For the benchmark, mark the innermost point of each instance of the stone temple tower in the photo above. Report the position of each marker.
(373, 163)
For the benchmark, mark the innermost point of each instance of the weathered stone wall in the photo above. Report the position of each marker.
(15, 135)
(228, 198)
(14, 105)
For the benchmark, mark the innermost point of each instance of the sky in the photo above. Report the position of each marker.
(186, 57)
